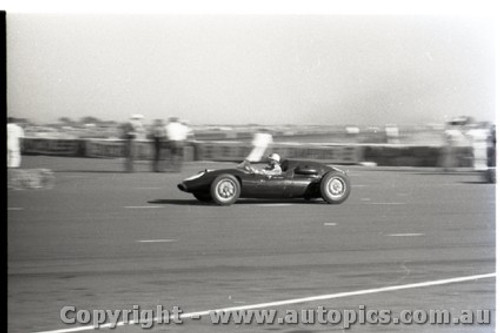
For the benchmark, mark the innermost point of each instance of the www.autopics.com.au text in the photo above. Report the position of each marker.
(321, 315)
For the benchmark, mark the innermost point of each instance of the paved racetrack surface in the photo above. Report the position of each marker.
(104, 239)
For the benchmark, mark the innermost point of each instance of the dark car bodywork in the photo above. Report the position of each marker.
(299, 179)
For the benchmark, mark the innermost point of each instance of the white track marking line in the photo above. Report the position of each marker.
(156, 240)
(296, 301)
(405, 235)
(329, 224)
(141, 207)
(14, 208)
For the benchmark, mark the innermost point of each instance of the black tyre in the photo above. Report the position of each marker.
(203, 196)
(335, 187)
(225, 190)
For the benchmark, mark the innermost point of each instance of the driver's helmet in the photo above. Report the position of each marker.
(274, 158)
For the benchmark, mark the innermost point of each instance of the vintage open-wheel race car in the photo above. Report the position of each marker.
(299, 179)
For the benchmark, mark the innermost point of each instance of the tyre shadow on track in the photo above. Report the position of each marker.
(193, 202)
(476, 182)
(178, 202)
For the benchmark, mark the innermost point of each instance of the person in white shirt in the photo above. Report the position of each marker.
(261, 140)
(133, 130)
(479, 135)
(453, 137)
(15, 134)
(176, 136)
(158, 134)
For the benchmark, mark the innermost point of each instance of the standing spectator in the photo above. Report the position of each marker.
(176, 136)
(479, 135)
(132, 131)
(15, 134)
(158, 135)
(260, 143)
(492, 146)
(453, 140)
(490, 173)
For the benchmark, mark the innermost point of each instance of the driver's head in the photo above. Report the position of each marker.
(274, 158)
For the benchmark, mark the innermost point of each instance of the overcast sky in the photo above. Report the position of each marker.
(236, 69)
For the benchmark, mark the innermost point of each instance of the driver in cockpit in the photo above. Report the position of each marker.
(272, 168)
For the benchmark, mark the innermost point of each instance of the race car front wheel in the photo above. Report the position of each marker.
(225, 190)
(335, 187)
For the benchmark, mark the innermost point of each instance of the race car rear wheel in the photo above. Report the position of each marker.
(335, 187)
(203, 196)
(225, 190)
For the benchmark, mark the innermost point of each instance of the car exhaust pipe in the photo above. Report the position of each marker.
(182, 187)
